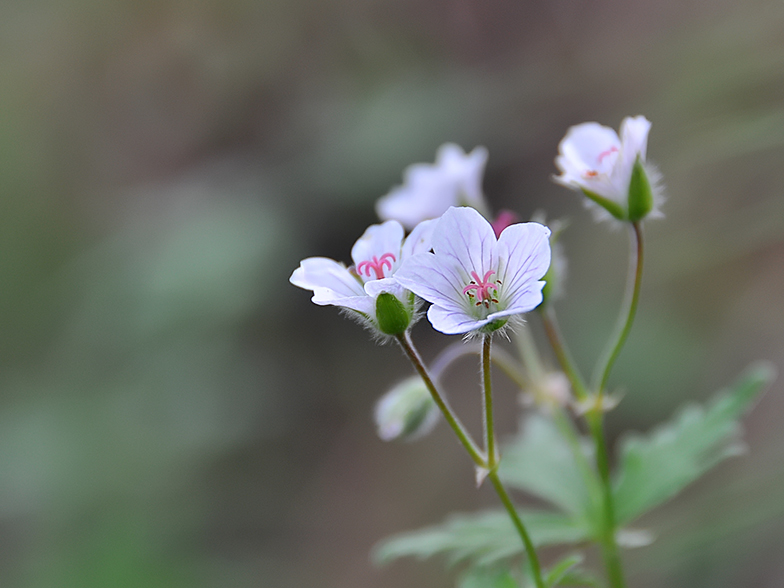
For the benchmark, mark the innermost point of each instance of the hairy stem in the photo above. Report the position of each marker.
(627, 314)
(518, 523)
(446, 410)
(487, 404)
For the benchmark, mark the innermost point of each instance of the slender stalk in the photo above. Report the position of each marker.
(487, 404)
(610, 553)
(595, 417)
(627, 314)
(500, 358)
(489, 463)
(518, 523)
(449, 415)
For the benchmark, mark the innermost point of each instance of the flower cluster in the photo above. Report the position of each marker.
(477, 275)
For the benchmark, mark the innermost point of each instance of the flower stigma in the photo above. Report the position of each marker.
(376, 265)
(484, 289)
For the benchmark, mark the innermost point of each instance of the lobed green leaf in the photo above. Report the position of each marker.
(482, 538)
(654, 468)
(541, 461)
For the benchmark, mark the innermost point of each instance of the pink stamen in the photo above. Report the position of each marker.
(604, 154)
(376, 265)
(482, 288)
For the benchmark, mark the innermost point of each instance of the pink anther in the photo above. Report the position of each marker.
(376, 265)
(604, 154)
(482, 288)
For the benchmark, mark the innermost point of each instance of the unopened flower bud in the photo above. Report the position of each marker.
(392, 316)
(406, 412)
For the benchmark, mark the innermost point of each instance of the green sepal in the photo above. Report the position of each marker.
(392, 316)
(640, 193)
(610, 206)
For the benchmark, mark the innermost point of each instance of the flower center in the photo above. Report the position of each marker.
(376, 265)
(483, 289)
(592, 173)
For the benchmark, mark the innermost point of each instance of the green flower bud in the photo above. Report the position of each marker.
(393, 317)
(640, 193)
(406, 412)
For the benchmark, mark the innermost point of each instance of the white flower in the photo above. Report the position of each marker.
(429, 190)
(475, 281)
(377, 255)
(610, 170)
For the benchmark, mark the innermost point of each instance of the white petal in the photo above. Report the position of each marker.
(411, 204)
(420, 239)
(466, 238)
(522, 301)
(428, 190)
(375, 287)
(588, 146)
(332, 284)
(634, 136)
(432, 279)
(466, 171)
(524, 250)
(452, 321)
(376, 242)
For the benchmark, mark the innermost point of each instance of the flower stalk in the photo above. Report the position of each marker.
(627, 314)
(489, 461)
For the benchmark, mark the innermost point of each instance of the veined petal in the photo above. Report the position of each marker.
(522, 301)
(453, 321)
(322, 272)
(467, 239)
(420, 240)
(377, 241)
(332, 284)
(524, 249)
(375, 287)
(432, 279)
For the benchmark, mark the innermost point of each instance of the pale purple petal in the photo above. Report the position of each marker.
(524, 249)
(432, 279)
(375, 243)
(522, 301)
(634, 136)
(332, 284)
(420, 240)
(428, 190)
(466, 239)
(451, 321)
(589, 145)
(390, 285)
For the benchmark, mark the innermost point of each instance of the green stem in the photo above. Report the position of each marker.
(492, 462)
(627, 314)
(446, 410)
(500, 358)
(487, 404)
(610, 553)
(518, 523)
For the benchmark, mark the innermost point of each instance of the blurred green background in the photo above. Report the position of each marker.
(173, 413)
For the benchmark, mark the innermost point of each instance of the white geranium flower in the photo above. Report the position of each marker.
(475, 281)
(611, 171)
(428, 190)
(377, 255)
